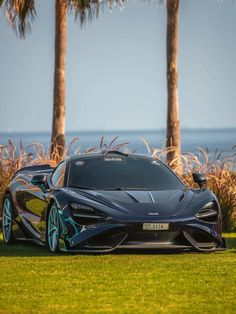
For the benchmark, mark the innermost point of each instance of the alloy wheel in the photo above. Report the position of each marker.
(53, 229)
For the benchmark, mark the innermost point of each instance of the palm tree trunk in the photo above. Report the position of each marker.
(173, 133)
(58, 119)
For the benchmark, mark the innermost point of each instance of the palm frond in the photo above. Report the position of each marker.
(87, 10)
(20, 14)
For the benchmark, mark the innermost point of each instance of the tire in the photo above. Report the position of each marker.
(7, 220)
(53, 229)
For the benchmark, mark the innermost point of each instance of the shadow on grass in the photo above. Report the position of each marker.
(231, 243)
(23, 249)
(30, 249)
(26, 249)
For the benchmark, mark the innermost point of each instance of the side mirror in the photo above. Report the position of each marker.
(200, 179)
(39, 179)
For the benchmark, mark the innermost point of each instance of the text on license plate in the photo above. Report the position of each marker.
(155, 226)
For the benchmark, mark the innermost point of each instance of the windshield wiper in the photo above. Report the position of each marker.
(83, 187)
(118, 188)
(114, 189)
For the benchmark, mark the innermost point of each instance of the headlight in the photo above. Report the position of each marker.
(77, 206)
(86, 213)
(208, 213)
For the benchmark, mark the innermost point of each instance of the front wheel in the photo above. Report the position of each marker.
(7, 220)
(53, 229)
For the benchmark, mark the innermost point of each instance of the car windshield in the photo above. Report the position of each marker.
(122, 173)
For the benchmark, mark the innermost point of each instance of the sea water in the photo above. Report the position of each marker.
(214, 140)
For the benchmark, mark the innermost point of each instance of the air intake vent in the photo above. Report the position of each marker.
(208, 213)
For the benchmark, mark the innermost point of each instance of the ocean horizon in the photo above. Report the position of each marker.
(214, 140)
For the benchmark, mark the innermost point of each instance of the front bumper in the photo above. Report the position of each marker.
(106, 237)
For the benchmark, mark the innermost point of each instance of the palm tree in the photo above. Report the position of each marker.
(84, 10)
(20, 14)
(58, 121)
(173, 132)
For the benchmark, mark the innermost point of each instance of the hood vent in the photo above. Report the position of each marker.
(151, 197)
(134, 198)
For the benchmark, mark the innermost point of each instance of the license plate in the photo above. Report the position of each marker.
(155, 226)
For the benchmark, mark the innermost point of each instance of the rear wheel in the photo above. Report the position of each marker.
(7, 211)
(53, 229)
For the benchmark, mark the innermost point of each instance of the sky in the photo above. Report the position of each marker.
(116, 69)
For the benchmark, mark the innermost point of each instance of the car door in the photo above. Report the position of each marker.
(33, 201)
(32, 204)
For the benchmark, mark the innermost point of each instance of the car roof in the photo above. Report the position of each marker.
(106, 153)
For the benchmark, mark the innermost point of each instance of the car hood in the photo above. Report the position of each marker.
(139, 203)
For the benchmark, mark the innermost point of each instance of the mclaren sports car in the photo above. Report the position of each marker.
(108, 201)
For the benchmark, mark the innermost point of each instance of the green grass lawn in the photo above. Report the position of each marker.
(35, 281)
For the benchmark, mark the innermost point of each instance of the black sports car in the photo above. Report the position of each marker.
(101, 202)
